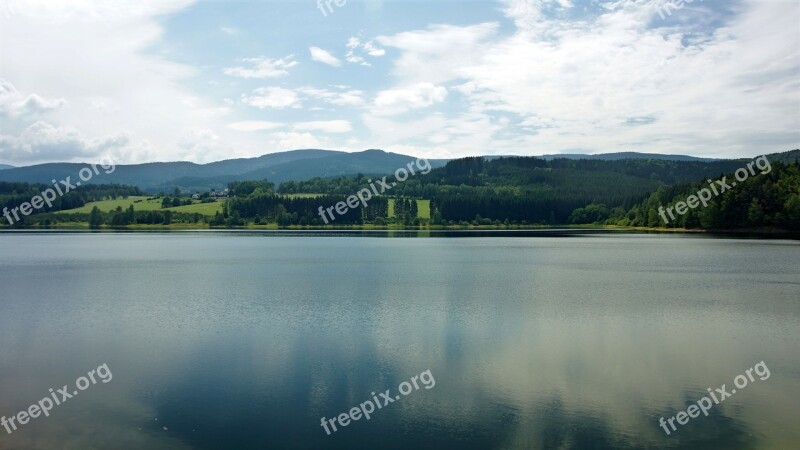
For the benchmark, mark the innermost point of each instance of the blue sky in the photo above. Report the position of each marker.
(209, 80)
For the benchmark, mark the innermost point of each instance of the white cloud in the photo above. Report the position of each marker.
(402, 99)
(439, 53)
(272, 97)
(341, 97)
(262, 68)
(355, 45)
(371, 50)
(254, 125)
(711, 81)
(13, 104)
(327, 126)
(294, 140)
(529, 14)
(42, 141)
(199, 144)
(323, 56)
(438, 136)
(100, 58)
(731, 92)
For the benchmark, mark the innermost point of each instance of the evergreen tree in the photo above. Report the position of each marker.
(95, 218)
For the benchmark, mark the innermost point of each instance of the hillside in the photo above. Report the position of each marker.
(769, 198)
(517, 190)
(295, 165)
(627, 155)
(191, 177)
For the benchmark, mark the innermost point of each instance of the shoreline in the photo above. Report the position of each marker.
(77, 227)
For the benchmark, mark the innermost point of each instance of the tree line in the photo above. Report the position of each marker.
(769, 200)
(13, 194)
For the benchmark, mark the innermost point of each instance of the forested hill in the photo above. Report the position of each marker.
(190, 177)
(764, 200)
(12, 195)
(626, 155)
(506, 191)
(533, 190)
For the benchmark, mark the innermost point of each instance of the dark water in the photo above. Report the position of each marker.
(241, 341)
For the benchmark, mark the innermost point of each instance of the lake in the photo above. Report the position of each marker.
(566, 339)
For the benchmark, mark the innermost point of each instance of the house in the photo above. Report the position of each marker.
(221, 194)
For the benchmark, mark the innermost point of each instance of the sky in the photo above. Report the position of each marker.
(142, 81)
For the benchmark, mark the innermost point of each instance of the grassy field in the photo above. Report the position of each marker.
(423, 208)
(139, 204)
(206, 209)
(143, 204)
(302, 195)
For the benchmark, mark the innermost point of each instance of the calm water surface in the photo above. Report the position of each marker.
(244, 341)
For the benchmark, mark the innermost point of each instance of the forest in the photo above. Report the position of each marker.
(533, 191)
(769, 200)
(14, 194)
(474, 191)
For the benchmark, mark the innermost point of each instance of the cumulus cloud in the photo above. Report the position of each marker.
(272, 97)
(440, 52)
(617, 81)
(327, 126)
(13, 104)
(530, 14)
(295, 140)
(42, 141)
(342, 96)
(101, 57)
(402, 99)
(323, 56)
(355, 46)
(199, 144)
(371, 50)
(254, 125)
(262, 67)
(537, 76)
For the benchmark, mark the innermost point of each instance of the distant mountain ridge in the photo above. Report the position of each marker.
(294, 165)
(188, 176)
(628, 155)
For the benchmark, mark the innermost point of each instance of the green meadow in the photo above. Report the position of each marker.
(301, 195)
(142, 203)
(423, 208)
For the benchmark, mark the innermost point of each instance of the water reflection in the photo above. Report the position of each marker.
(246, 342)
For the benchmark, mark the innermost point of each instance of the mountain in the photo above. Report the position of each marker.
(295, 165)
(276, 167)
(789, 157)
(766, 200)
(534, 190)
(5, 166)
(628, 155)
